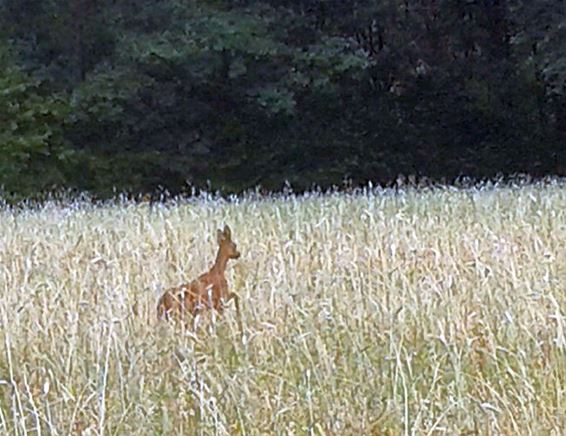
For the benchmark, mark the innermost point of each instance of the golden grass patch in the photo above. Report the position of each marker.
(382, 312)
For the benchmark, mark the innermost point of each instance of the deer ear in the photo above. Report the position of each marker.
(219, 236)
(227, 232)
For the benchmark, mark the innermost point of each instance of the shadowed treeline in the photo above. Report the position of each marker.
(117, 95)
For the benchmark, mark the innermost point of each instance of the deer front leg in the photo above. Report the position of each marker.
(219, 307)
(236, 298)
(193, 306)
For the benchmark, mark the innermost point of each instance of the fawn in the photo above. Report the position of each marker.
(209, 290)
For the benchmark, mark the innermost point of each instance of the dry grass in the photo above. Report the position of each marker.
(421, 312)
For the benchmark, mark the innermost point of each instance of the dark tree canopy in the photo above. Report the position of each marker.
(132, 95)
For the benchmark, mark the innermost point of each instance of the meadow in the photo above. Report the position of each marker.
(384, 311)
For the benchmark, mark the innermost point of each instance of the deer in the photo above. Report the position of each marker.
(208, 291)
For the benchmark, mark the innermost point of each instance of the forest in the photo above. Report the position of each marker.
(137, 96)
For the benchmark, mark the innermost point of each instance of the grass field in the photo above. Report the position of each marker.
(412, 312)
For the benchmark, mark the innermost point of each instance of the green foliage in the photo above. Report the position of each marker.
(33, 153)
(231, 94)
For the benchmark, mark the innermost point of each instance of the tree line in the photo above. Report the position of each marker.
(136, 95)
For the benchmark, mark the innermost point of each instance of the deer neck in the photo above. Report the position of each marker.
(220, 262)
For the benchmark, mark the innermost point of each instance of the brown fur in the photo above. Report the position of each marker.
(209, 290)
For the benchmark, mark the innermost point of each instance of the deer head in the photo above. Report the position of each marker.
(226, 246)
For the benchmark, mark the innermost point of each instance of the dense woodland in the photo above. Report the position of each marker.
(139, 95)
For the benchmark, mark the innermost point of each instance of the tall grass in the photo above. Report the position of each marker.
(416, 312)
